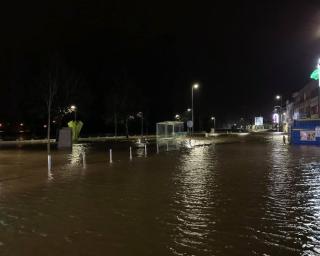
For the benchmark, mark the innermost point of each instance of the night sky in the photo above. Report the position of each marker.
(242, 54)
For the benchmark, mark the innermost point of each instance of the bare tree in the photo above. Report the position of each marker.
(52, 91)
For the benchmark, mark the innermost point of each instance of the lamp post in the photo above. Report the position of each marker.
(74, 109)
(140, 115)
(213, 119)
(279, 98)
(195, 86)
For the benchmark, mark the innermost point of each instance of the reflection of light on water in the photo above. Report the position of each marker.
(309, 220)
(140, 152)
(293, 198)
(50, 175)
(76, 155)
(194, 199)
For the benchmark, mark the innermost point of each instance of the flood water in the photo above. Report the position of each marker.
(251, 197)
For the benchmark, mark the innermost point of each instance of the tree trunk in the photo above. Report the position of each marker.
(127, 129)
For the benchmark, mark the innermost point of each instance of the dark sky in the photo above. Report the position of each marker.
(242, 54)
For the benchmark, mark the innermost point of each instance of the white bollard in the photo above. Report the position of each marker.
(167, 146)
(157, 148)
(145, 150)
(110, 155)
(49, 163)
(130, 155)
(84, 162)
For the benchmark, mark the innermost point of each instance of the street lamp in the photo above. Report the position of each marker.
(279, 97)
(177, 117)
(213, 119)
(74, 109)
(195, 86)
(140, 115)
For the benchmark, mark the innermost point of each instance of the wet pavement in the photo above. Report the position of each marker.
(254, 196)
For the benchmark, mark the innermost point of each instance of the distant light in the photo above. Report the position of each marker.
(73, 107)
(177, 116)
(44, 126)
(213, 118)
(278, 97)
(196, 86)
(54, 121)
(0, 124)
(189, 109)
(284, 113)
(21, 124)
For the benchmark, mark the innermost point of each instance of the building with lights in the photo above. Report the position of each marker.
(305, 102)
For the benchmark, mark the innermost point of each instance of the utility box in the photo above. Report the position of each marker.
(305, 132)
(65, 138)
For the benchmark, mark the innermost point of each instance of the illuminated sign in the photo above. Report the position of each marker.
(258, 120)
(275, 118)
(307, 135)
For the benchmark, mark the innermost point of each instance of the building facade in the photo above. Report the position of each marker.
(305, 102)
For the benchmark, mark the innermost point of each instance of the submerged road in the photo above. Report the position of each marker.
(254, 196)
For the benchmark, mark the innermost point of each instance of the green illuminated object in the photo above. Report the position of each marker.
(315, 74)
(76, 127)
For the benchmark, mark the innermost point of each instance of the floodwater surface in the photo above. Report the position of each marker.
(251, 197)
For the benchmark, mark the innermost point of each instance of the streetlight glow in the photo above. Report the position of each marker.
(189, 109)
(73, 107)
(278, 97)
(196, 86)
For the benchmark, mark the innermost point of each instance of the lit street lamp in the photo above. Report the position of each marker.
(177, 117)
(73, 108)
(279, 98)
(213, 119)
(195, 86)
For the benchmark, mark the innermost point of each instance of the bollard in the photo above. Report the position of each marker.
(157, 148)
(49, 163)
(167, 146)
(84, 162)
(110, 155)
(145, 150)
(130, 155)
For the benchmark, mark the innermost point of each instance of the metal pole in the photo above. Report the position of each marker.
(141, 126)
(84, 162)
(167, 146)
(130, 155)
(192, 110)
(49, 163)
(157, 148)
(145, 150)
(110, 155)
